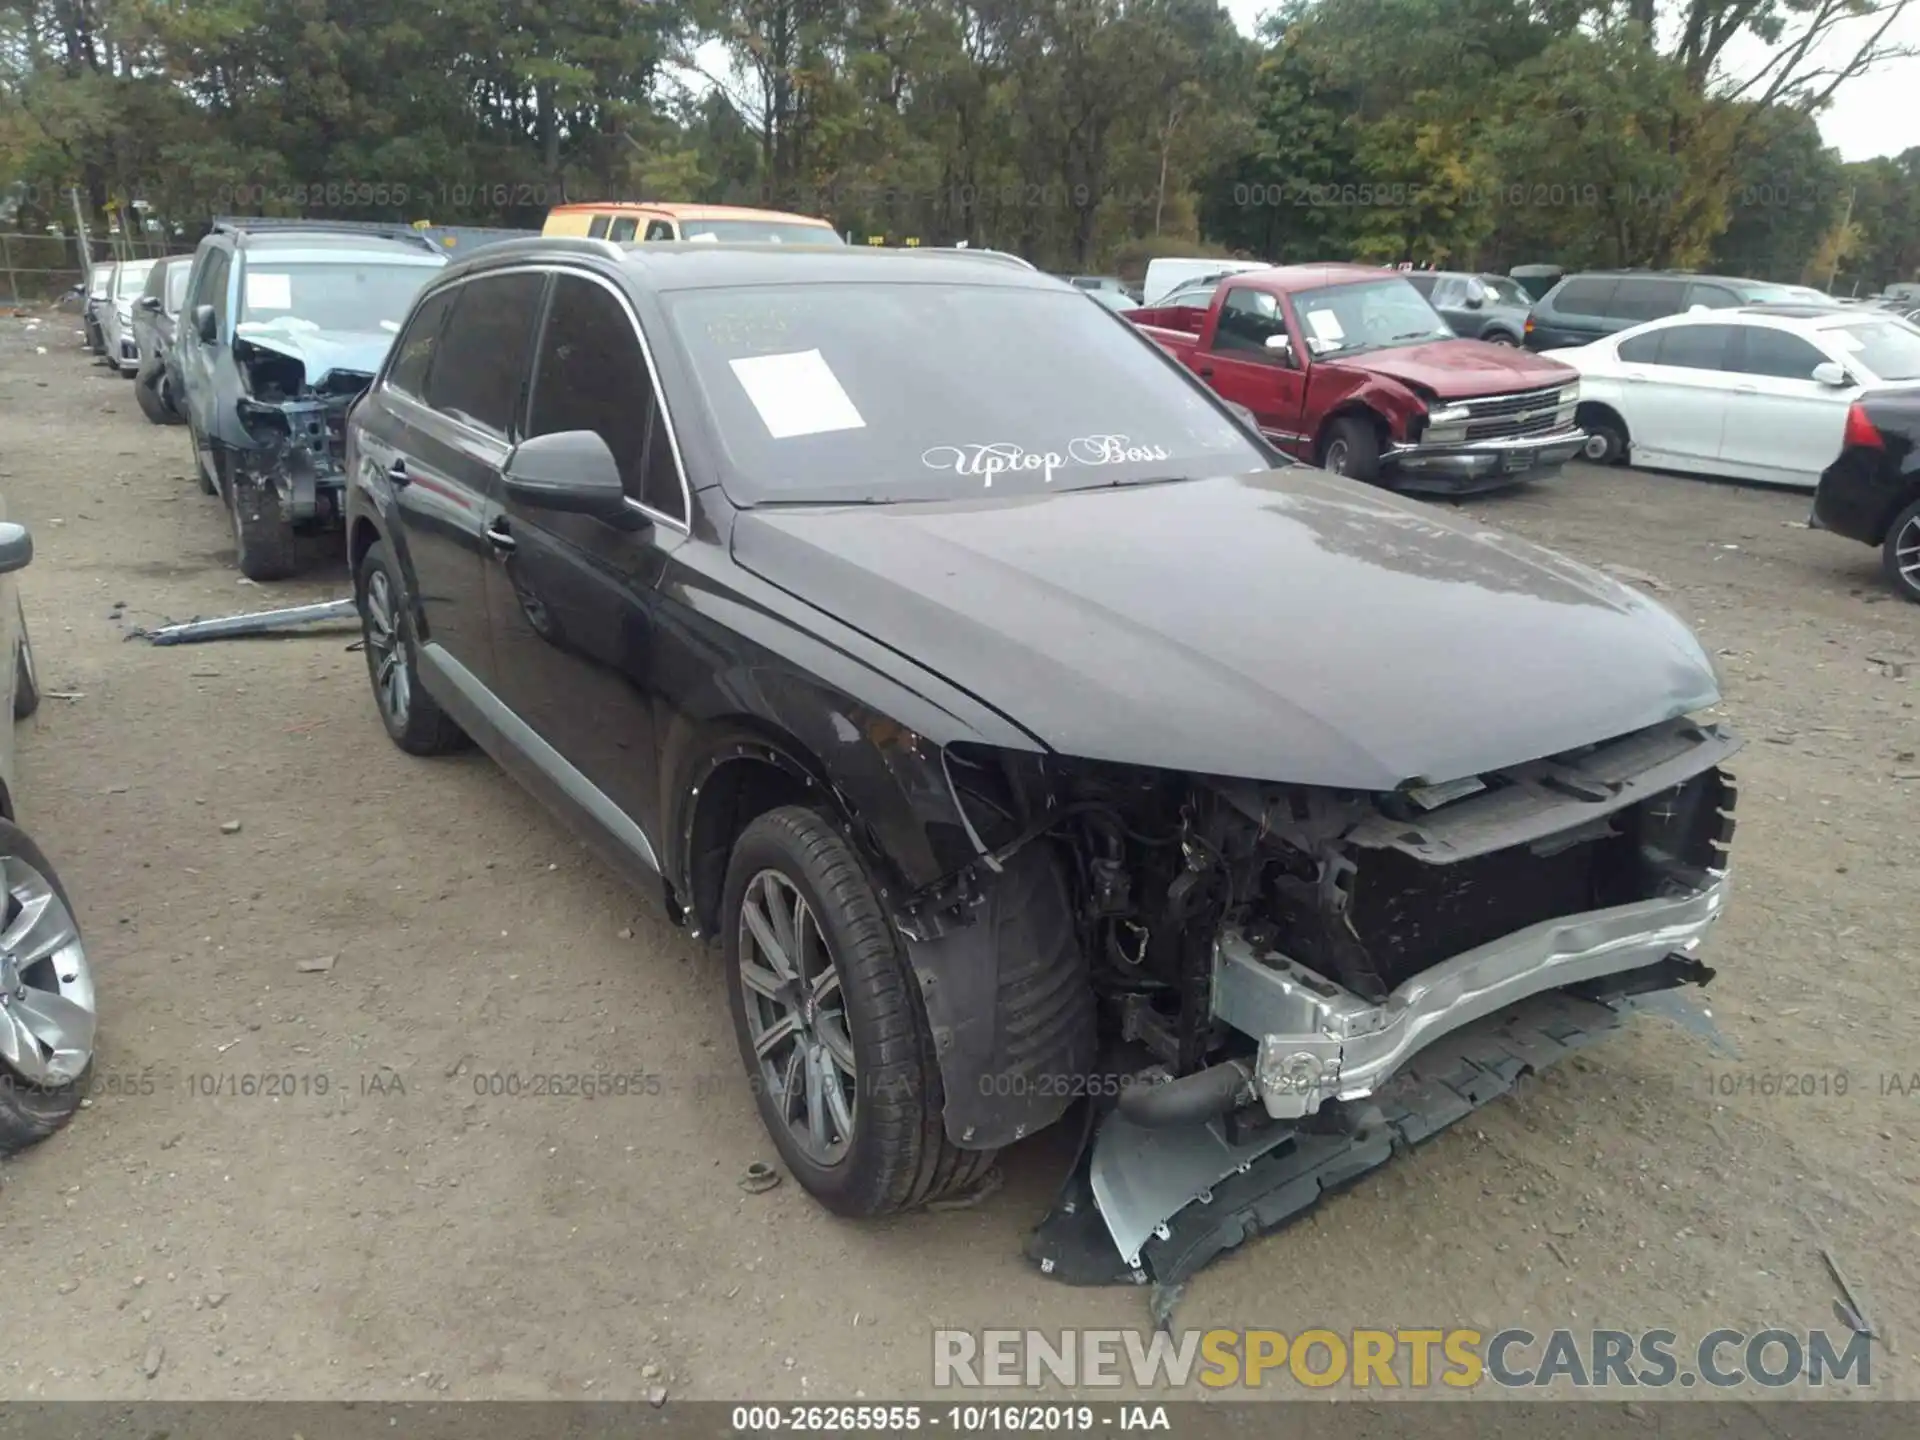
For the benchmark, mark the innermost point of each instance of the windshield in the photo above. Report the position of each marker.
(330, 295)
(1889, 349)
(894, 392)
(1370, 315)
(132, 279)
(762, 232)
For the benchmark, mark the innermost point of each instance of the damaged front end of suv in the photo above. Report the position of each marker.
(1274, 985)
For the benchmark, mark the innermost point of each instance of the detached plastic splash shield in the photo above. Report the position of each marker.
(1237, 1195)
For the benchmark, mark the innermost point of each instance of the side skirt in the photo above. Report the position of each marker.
(519, 750)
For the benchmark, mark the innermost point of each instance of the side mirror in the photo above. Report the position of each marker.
(204, 324)
(571, 471)
(1280, 346)
(16, 547)
(1829, 373)
(150, 302)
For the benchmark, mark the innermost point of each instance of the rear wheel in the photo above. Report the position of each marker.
(1500, 337)
(262, 534)
(1352, 449)
(831, 1025)
(413, 719)
(46, 998)
(1901, 552)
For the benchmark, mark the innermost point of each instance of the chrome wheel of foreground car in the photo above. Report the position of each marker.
(830, 1025)
(796, 1017)
(47, 1015)
(414, 721)
(1902, 553)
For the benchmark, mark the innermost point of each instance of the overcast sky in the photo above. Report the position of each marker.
(1874, 114)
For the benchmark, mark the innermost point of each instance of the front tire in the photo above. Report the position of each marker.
(830, 1023)
(1900, 552)
(1607, 442)
(262, 535)
(1352, 449)
(147, 389)
(47, 1018)
(413, 719)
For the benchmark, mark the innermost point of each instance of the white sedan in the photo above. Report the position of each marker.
(1755, 393)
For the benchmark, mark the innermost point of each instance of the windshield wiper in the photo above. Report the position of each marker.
(1418, 335)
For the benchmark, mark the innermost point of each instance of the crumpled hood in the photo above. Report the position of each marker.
(1285, 626)
(321, 351)
(1460, 369)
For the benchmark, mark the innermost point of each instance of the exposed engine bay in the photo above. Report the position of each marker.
(1265, 959)
(297, 430)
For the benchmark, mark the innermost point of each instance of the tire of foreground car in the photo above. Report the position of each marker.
(1352, 449)
(26, 678)
(50, 999)
(860, 1028)
(413, 719)
(1900, 552)
(261, 534)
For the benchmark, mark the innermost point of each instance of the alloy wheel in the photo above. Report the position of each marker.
(1337, 457)
(1596, 446)
(1906, 554)
(46, 988)
(797, 1017)
(386, 653)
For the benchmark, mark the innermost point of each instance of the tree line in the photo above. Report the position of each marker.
(1083, 134)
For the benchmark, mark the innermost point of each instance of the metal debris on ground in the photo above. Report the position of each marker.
(1856, 1299)
(259, 622)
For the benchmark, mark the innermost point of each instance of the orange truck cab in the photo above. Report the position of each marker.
(621, 221)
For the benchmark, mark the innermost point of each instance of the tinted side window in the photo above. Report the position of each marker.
(177, 277)
(1648, 298)
(1643, 349)
(413, 351)
(1776, 353)
(597, 227)
(213, 287)
(623, 229)
(1716, 297)
(484, 344)
(1247, 318)
(1590, 296)
(1697, 347)
(659, 230)
(591, 375)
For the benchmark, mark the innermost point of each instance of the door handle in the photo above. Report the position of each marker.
(500, 537)
(397, 472)
(1205, 372)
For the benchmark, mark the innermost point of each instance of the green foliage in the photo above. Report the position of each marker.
(1085, 134)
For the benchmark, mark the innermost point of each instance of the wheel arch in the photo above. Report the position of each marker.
(1351, 409)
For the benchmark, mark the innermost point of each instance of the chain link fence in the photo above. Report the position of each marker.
(39, 268)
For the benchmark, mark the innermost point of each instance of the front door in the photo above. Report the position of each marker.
(573, 599)
(199, 359)
(1783, 426)
(454, 389)
(1245, 367)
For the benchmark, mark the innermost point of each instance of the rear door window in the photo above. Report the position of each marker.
(1589, 295)
(1714, 297)
(597, 227)
(1648, 298)
(659, 230)
(1698, 347)
(1642, 349)
(482, 350)
(623, 229)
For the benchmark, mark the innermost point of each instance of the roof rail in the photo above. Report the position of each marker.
(1003, 256)
(535, 243)
(381, 229)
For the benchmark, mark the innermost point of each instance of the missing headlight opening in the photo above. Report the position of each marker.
(1269, 961)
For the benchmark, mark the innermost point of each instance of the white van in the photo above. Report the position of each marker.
(1166, 276)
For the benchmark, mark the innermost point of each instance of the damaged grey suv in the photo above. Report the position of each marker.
(285, 323)
(1033, 740)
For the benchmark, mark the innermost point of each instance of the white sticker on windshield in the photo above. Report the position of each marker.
(269, 290)
(796, 394)
(1005, 458)
(1325, 326)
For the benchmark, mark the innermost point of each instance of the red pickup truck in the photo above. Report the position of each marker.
(1349, 367)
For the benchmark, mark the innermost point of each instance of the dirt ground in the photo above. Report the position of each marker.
(405, 1233)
